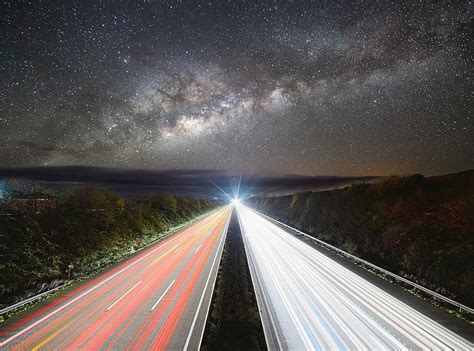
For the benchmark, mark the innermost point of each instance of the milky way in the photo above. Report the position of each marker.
(308, 87)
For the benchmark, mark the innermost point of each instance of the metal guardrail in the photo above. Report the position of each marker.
(167, 233)
(31, 299)
(380, 269)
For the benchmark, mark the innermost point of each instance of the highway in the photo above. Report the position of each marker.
(156, 300)
(310, 302)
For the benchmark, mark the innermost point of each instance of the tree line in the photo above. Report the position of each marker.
(69, 234)
(421, 228)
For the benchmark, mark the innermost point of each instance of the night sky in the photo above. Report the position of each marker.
(300, 87)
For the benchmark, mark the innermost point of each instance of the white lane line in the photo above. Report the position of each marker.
(161, 297)
(337, 284)
(191, 330)
(258, 288)
(121, 297)
(31, 326)
(197, 249)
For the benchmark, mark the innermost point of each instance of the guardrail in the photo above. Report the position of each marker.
(166, 233)
(380, 269)
(31, 299)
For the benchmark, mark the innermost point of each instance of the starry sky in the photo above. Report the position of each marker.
(289, 87)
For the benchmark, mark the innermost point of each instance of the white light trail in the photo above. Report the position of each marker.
(315, 303)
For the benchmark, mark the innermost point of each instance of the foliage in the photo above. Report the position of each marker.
(419, 227)
(39, 245)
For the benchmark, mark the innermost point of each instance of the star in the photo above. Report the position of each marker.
(288, 87)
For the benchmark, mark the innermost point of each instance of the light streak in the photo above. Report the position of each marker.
(312, 302)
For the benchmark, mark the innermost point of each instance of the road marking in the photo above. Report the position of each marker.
(121, 297)
(327, 304)
(188, 339)
(257, 285)
(163, 295)
(179, 248)
(49, 338)
(31, 326)
(198, 248)
(160, 257)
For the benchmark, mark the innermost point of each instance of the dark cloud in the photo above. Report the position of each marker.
(135, 183)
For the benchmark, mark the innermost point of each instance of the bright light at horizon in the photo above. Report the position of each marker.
(235, 202)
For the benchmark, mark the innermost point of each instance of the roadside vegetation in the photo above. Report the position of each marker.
(45, 242)
(421, 228)
(233, 322)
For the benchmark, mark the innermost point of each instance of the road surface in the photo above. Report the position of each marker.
(158, 299)
(309, 302)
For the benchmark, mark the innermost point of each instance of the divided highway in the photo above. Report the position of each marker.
(158, 299)
(310, 302)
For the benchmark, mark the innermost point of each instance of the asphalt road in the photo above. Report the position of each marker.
(156, 300)
(310, 302)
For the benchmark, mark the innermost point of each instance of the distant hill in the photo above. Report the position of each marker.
(134, 183)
